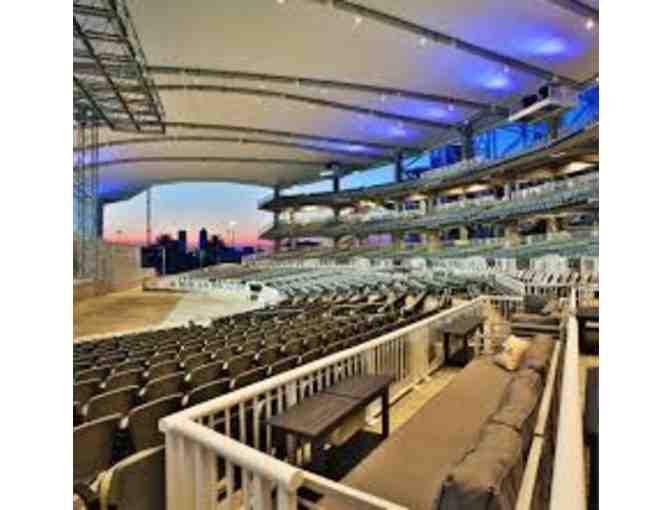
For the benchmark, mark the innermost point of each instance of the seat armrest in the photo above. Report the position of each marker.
(87, 495)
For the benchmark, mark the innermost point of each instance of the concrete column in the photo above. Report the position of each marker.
(398, 241)
(276, 245)
(507, 191)
(553, 126)
(552, 225)
(434, 240)
(511, 233)
(337, 184)
(276, 192)
(100, 219)
(429, 204)
(467, 133)
(399, 167)
(464, 233)
(337, 213)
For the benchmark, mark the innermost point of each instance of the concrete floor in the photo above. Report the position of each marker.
(135, 310)
(122, 311)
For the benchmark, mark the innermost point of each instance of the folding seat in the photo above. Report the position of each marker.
(161, 356)
(284, 365)
(185, 352)
(84, 390)
(267, 356)
(162, 387)
(204, 374)
(120, 379)
(311, 356)
(238, 364)
(143, 421)
(127, 365)
(92, 373)
(312, 342)
(196, 360)
(249, 377)
(292, 348)
(206, 392)
(161, 369)
(118, 401)
(224, 353)
(111, 361)
(93, 448)
(136, 482)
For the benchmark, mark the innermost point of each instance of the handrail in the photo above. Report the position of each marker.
(569, 480)
(284, 474)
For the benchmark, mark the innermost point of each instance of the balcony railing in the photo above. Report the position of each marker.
(453, 172)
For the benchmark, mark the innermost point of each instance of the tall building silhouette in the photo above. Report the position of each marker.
(182, 240)
(203, 239)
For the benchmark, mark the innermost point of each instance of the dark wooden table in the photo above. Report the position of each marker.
(588, 319)
(315, 418)
(366, 389)
(459, 331)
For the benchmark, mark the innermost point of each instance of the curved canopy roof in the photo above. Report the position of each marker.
(268, 92)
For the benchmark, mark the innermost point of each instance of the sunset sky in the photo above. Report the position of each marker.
(192, 206)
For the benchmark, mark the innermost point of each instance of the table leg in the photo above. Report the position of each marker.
(386, 413)
(319, 456)
(291, 449)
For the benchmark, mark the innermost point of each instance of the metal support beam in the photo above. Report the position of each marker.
(92, 52)
(302, 81)
(578, 8)
(295, 98)
(284, 134)
(243, 141)
(215, 159)
(148, 217)
(441, 38)
(93, 103)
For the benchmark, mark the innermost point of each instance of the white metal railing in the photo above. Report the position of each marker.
(569, 481)
(234, 427)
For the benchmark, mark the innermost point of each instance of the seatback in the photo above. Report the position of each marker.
(121, 379)
(284, 365)
(161, 369)
(92, 373)
(249, 377)
(136, 483)
(268, 356)
(204, 374)
(196, 360)
(238, 364)
(118, 401)
(143, 421)
(84, 390)
(206, 392)
(93, 447)
(162, 387)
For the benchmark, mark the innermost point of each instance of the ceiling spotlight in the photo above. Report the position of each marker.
(358, 20)
(423, 41)
(507, 69)
(280, 1)
(590, 23)
(383, 98)
(451, 107)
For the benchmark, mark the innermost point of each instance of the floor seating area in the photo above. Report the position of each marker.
(124, 385)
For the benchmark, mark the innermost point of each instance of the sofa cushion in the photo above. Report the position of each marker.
(538, 355)
(512, 353)
(488, 477)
